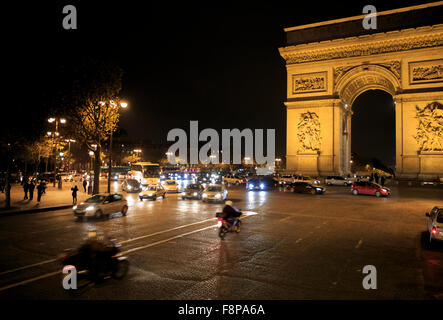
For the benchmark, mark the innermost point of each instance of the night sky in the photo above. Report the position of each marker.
(209, 61)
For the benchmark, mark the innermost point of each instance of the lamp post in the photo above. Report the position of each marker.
(54, 137)
(124, 105)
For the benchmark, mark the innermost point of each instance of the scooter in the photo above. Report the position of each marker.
(224, 226)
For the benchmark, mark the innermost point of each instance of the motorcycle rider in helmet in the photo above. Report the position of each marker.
(232, 213)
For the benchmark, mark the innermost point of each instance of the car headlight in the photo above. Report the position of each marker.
(262, 186)
(251, 186)
(218, 195)
(90, 208)
(204, 195)
(318, 189)
(195, 194)
(129, 187)
(384, 190)
(150, 194)
(183, 193)
(74, 207)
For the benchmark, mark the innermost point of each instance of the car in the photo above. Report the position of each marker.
(193, 191)
(170, 186)
(233, 180)
(338, 181)
(100, 205)
(434, 224)
(214, 192)
(260, 184)
(306, 187)
(131, 185)
(301, 178)
(46, 176)
(370, 188)
(286, 179)
(152, 191)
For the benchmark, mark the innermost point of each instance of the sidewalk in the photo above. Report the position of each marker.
(53, 199)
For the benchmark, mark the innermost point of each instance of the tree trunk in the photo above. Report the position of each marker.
(97, 162)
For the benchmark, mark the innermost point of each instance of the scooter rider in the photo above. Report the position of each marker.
(232, 213)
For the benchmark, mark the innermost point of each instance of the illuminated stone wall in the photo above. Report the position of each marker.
(325, 78)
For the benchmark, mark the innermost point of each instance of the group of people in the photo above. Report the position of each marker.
(29, 186)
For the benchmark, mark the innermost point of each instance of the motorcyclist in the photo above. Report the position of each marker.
(231, 212)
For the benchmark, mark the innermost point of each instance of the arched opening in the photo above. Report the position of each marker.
(373, 131)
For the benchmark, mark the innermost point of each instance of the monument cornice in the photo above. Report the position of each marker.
(396, 41)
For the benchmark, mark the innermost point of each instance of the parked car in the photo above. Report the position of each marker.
(371, 188)
(131, 185)
(306, 187)
(233, 180)
(214, 193)
(338, 181)
(170, 186)
(434, 224)
(101, 205)
(193, 191)
(152, 191)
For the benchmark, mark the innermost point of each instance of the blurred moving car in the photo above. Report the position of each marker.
(131, 185)
(152, 191)
(260, 184)
(286, 179)
(371, 188)
(193, 191)
(301, 178)
(170, 186)
(306, 187)
(434, 224)
(100, 205)
(233, 180)
(338, 181)
(214, 193)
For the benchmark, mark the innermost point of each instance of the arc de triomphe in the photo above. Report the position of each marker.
(329, 64)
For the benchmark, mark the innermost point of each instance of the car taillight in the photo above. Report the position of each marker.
(219, 222)
(434, 230)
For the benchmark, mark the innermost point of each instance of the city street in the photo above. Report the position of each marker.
(291, 246)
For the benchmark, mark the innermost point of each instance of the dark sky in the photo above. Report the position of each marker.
(213, 61)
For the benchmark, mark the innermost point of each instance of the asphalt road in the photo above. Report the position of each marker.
(292, 246)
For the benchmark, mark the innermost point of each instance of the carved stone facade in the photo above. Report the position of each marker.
(324, 79)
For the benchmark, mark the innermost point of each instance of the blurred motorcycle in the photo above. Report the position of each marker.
(225, 225)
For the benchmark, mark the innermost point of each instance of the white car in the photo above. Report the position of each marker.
(170, 186)
(300, 178)
(232, 180)
(152, 192)
(100, 205)
(434, 224)
(286, 179)
(214, 193)
(338, 181)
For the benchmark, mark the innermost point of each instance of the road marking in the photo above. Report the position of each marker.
(247, 214)
(359, 244)
(30, 280)
(29, 266)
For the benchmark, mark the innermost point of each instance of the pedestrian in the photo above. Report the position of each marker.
(40, 190)
(31, 189)
(376, 177)
(74, 194)
(26, 188)
(85, 183)
(382, 181)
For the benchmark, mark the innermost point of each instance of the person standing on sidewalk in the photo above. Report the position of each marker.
(31, 189)
(74, 194)
(40, 190)
(85, 183)
(26, 188)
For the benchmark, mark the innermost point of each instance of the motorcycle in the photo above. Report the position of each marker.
(94, 262)
(224, 225)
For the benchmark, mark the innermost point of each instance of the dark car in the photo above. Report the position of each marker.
(260, 184)
(306, 187)
(193, 191)
(47, 176)
(371, 188)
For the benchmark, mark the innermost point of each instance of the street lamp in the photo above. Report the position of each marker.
(124, 105)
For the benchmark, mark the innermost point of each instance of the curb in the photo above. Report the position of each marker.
(36, 210)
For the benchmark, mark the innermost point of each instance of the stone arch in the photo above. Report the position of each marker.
(366, 77)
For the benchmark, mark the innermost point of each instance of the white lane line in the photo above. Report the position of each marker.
(29, 266)
(124, 252)
(30, 280)
(359, 244)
